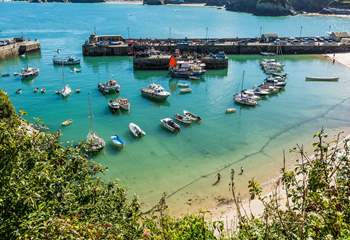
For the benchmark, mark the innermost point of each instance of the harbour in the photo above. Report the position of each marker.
(183, 165)
(17, 46)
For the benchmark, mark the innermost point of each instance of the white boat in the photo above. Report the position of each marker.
(111, 86)
(136, 130)
(29, 72)
(192, 116)
(170, 125)
(322, 79)
(70, 60)
(155, 92)
(124, 104)
(230, 110)
(113, 105)
(117, 141)
(250, 94)
(245, 100)
(185, 90)
(94, 142)
(67, 122)
(183, 85)
(183, 119)
(76, 70)
(66, 91)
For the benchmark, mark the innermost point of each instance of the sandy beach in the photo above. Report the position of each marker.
(342, 58)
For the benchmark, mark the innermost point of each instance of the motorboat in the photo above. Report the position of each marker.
(183, 119)
(250, 93)
(70, 60)
(246, 101)
(136, 130)
(192, 116)
(261, 92)
(124, 104)
(114, 105)
(117, 141)
(155, 92)
(67, 122)
(29, 72)
(65, 91)
(94, 142)
(170, 125)
(111, 86)
(187, 69)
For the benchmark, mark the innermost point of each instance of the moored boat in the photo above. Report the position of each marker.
(29, 72)
(65, 91)
(155, 92)
(322, 79)
(183, 85)
(114, 105)
(230, 110)
(136, 130)
(67, 122)
(94, 142)
(192, 116)
(124, 104)
(183, 119)
(111, 86)
(170, 125)
(246, 101)
(117, 141)
(70, 60)
(185, 90)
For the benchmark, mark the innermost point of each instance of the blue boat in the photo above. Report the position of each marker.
(117, 141)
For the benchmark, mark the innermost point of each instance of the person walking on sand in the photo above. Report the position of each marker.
(333, 58)
(241, 173)
(218, 179)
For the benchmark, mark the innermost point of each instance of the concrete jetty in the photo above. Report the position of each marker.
(17, 46)
(118, 46)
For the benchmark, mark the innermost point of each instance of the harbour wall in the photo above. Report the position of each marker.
(18, 48)
(229, 46)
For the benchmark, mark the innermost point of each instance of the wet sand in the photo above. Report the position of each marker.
(342, 58)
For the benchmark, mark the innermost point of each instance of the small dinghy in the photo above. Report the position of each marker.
(230, 110)
(43, 90)
(5, 75)
(67, 122)
(183, 119)
(19, 91)
(322, 79)
(183, 85)
(35, 90)
(194, 78)
(76, 70)
(77, 90)
(170, 125)
(185, 90)
(136, 130)
(117, 141)
(192, 116)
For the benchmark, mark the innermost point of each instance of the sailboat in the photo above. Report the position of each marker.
(244, 99)
(94, 142)
(66, 90)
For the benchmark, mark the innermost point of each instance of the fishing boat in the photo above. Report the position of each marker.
(114, 105)
(124, 104)
(29, 72)
(67, 122)
(183, 85)
(111, 86)
(192, 116)
(183, 119)
(117, 141)
(230, 110)
(136, 130)
(65, 91)
(70, 60)
(322, 79)
(186, 69)
(170, 125)
(185, 90)
(155, 92)
(94, 142)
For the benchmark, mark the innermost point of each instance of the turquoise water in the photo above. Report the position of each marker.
(162, 162)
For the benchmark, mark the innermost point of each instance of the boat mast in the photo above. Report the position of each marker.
(242, 82)
(90, 114)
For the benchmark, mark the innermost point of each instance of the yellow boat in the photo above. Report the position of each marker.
(67, 123)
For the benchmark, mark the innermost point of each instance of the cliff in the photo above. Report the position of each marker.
(261, 7)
